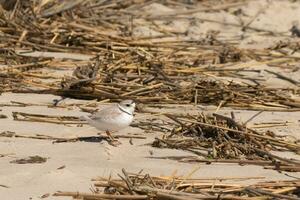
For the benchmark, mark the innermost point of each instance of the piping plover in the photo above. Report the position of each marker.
(113, 118)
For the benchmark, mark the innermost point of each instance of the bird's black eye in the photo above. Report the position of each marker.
(128, 105)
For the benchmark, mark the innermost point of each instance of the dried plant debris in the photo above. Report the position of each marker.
(236, 95)
(82, 76)
(9, 81)
(2, 116)
(20, 116)
(98, 138)
(30, 160)
(221, 138)
(229, 54)
(170, 67)
(144, 186)
(166, 89)
(295, 31)
(8, 4)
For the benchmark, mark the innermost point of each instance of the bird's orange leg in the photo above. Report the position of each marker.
(109, 135)
(112, 141)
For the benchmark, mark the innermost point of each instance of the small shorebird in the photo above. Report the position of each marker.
(113, 118)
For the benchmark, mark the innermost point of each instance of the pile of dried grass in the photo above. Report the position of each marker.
(219, 138)
(168, 68)
(139, 186)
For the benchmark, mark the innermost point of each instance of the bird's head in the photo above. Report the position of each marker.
(128, 105)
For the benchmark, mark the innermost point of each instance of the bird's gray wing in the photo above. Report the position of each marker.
(106, 114)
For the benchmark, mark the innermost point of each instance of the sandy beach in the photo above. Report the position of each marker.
(70, 166)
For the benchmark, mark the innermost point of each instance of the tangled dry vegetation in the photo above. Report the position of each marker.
(219, 138)
(168, 67)
(212, 138)
(97, 44)
(145, 186)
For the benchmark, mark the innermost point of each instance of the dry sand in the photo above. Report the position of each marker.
(86, 160)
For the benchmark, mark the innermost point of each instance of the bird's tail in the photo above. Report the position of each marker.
(86, 118)
(83, 118)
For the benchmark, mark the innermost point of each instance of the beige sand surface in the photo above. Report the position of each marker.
(86, 160)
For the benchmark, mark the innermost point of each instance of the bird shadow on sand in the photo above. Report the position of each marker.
(94, 139)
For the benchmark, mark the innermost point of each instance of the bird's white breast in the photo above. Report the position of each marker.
(112, 123)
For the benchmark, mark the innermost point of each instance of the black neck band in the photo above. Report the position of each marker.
(122, 109)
